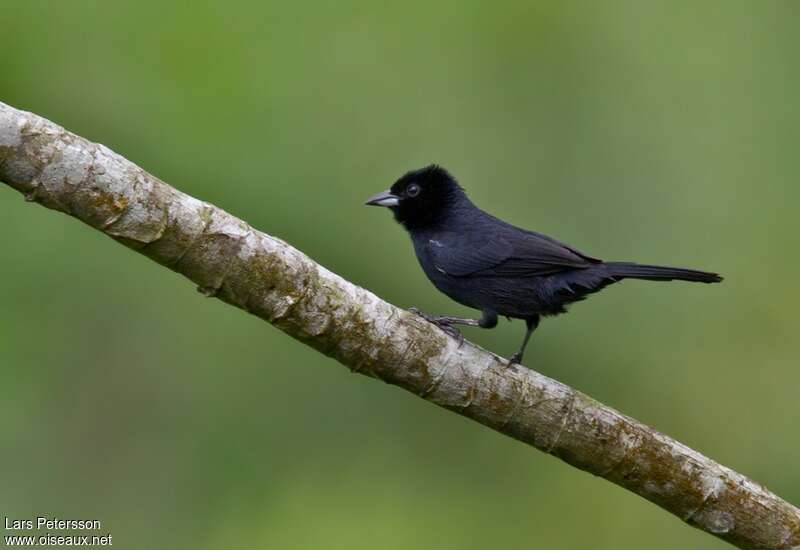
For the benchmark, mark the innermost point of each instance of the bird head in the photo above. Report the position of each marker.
(421, 198)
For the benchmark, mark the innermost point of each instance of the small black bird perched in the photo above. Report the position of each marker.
(485, 263)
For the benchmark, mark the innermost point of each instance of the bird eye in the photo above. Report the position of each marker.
(412, 190)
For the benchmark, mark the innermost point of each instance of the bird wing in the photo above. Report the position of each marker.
(515, 253)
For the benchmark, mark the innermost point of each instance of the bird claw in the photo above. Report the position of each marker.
(515, 359)
(440, 322)
(452, 331)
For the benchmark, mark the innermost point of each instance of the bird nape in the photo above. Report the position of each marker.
(487, 264)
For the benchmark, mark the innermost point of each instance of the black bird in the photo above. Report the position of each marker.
(485, 263)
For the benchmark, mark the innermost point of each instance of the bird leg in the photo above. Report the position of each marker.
(445, 322)
(531, 324)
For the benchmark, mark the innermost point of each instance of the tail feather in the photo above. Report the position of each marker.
(660, 273)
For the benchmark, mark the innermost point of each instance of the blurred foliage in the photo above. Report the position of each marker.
(657, 131)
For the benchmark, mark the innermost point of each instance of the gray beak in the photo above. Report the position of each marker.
(384, 198)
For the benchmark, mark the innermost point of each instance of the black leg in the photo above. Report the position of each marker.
(488, 320)
(531, 324)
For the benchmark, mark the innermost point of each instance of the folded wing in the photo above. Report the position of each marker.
(515, 253)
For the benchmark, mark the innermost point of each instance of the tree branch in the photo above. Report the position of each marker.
(265, 276)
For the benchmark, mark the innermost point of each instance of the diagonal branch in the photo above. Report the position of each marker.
(265, 276)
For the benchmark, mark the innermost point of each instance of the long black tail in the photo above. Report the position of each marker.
(660, 273)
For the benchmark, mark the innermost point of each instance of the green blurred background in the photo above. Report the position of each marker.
(657, 131)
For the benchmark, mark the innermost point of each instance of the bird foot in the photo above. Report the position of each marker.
(515, 359)
(441, 322)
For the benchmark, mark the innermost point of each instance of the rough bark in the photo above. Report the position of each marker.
(263, 275)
